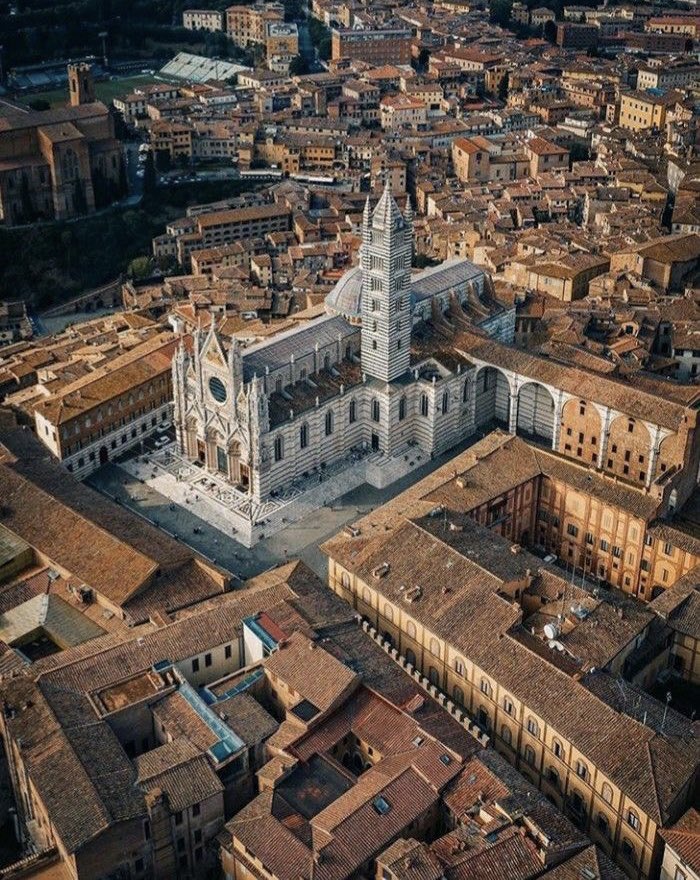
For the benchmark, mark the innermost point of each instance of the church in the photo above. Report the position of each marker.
(373, 375)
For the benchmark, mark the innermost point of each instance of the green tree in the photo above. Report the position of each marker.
(499, 11)
(140, 267)
(299, 66)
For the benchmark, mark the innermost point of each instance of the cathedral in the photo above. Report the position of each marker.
(373, 374)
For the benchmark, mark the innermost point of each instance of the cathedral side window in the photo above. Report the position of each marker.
(329, 423)
(445, 402)
(217, 389)
(376, 413)
(304, 436)
(402, 409)
(424, 404)
(279, 448)
(352, 412)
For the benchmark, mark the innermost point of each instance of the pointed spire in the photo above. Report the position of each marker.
(387, 211)
(408, 212)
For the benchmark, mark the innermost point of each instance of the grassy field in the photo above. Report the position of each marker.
(106, 91)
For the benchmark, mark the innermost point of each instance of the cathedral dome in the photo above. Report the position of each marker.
(346, 296)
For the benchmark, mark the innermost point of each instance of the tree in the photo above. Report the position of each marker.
(423, 58)
(299, 66)
(550, 31)
(149, 174)
(139, 267)
(499, 11)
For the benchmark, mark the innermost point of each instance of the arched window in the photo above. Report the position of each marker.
(628, 852)
(602, 824)
(553, 775)
(402, 409)
(388, 612)
(530, 755)
(410, 656)
(278, 385)
(458, 695)
(633, 820)
(435, 647)
(345, 580)
(486, 687)
(445, 401)
(366, 596)
(459, 666)
(533, 727)
(411, 629)
(558, 749)
(303, 436)
(279, 448)
(329, 423)
(465, 391)
(376, 413)
(582, 770)
(506, 734)
(424, 404)
(326, 361)
(508, 705)
(433, 676)
(607, 793)
(352, 411)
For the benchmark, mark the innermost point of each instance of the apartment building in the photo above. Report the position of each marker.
(109, 411)
(223, 227)
(451, 598)
(376, 46)
(646, 111)
(247, 25)
(397, 111)
(211, 20)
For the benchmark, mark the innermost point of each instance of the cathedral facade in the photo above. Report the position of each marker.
(370, 375)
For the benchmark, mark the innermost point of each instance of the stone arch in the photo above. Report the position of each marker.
(629, 448)
(492, 397)
(535, 412)
(581, 429)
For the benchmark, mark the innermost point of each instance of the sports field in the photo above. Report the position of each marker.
(106, 90)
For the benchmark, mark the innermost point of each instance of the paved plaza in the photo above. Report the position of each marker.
(131, 484)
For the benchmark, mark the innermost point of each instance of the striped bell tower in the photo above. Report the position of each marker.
(387, 247)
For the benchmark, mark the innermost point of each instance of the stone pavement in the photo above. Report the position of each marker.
(299, 540)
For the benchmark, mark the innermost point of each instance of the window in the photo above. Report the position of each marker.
(178, 817)
(581, 770)
(195, 812)
(411, 629)
(589, 537)
(530, 756)
(207, 660)
(508, 705)
(465, 391)
(558, 750)
(376, 413)
(459, 666)
(458, 695)
(603, 825)
(139, 866)
(435, 647)
(506, 735)
(633, 820)
(485, 687)
(604, 545)
(533, 727)
(445, 402)
(424, 404)
(279, 449)
(146, 829)
(388, 612)
(329, 423)
(607, 793)
(628, 852)
(572, 530)
(352, 412)
(227, 652)
(195, 665)
(402, 409)
(303, 436)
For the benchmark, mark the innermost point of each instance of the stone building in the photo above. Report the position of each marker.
(364, 377)
(59, 163)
